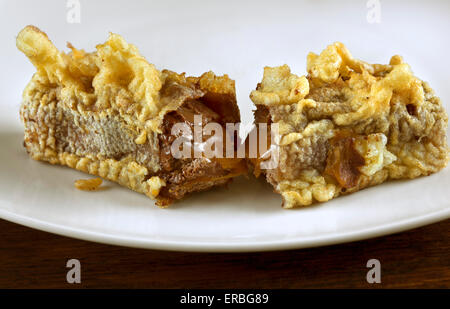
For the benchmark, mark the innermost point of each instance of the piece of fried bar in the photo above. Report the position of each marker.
(349, 125)
(110, 113)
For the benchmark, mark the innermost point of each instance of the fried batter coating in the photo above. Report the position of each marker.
(107, 113)
(348, 125)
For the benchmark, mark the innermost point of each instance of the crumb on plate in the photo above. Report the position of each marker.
(88, 184)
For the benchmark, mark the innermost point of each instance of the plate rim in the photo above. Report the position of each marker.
(228, 247)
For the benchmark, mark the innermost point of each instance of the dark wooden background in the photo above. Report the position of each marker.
(415, 259)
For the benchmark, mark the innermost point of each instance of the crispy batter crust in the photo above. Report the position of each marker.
(103, 113)
(348, 125)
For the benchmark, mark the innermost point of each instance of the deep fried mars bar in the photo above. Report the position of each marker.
(349, 125)
(109, 113)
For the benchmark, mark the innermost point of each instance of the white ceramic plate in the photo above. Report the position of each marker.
(237, 38)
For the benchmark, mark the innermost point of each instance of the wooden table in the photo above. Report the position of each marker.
(34, 259)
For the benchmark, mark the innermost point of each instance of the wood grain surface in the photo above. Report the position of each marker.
(415, 259)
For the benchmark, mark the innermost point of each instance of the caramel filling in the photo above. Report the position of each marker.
(344, 161)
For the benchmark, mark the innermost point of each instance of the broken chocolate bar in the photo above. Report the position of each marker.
(348, 125)
(110, 113)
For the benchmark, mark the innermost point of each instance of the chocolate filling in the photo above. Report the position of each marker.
(343, 162)
(186, 175)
